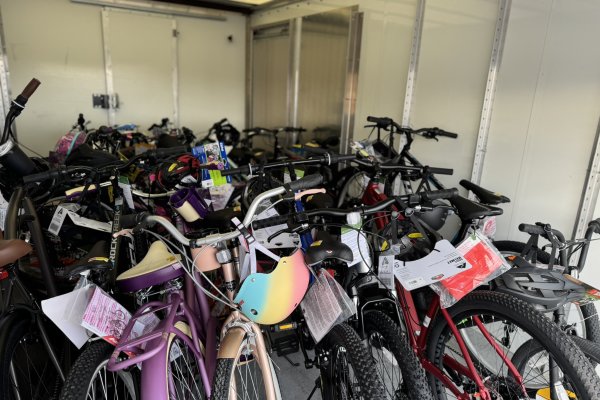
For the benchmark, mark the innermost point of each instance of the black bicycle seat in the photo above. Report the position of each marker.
(469, 210)
(326, 247)
(219, 220)
(484, 195)
(319, 201)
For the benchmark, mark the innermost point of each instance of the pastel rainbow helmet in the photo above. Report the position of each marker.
(270, 298)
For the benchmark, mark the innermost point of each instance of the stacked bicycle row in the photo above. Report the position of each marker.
(171, 275)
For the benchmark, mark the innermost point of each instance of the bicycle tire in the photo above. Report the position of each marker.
(591, 321)
(414, 384)
(167, 363)
(589, 348)
(224, 384)
(343, 340)
(573, 363)
(23, 332)
(90, 361)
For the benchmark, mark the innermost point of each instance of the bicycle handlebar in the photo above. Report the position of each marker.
(28, 91)
(307, 182)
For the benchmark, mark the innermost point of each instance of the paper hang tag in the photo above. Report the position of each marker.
(320, 307)
(443, 262)
(357, 242)
(126, 188)
(57, 220)
(385, 271)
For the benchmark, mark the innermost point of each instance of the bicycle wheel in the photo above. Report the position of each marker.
(511, 323)
(90, 380)
(532, 354)
(178, 363)
(583, 319)
(398, 368)
(34, 376)
(240, 370)
(351, 371)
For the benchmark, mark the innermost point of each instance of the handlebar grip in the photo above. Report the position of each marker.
(595, 224)
(271, 221)
(243, 170)
(447, 134)
(532, 229)
(309, 181)
(314, 150)
(441, 171)
(439, 194)
(169, 151)
(131, 220)
(30, 88)
(39, 177)
(385, 121)
(337, 158)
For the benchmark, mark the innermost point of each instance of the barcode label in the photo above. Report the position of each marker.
(57, 220)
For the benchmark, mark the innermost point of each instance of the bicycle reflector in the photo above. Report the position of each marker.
(270, 298)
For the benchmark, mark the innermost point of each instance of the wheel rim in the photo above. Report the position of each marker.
(106, 385)
(345, 384)
(184, 373)
(32, 373)
(247, 380)
(493, 371)
(386, 365)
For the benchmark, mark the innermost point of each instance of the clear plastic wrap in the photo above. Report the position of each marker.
(486, 261)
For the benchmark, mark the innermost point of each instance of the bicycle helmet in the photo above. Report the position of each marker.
(544, 289)
(270, 298)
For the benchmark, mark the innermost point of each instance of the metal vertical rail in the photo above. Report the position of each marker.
(108, 72)
(249, 74)
(589, 195)
(294, 72)
(490, 90)
(175, 71)
(413, 65)
(350, 88)
(4, 85)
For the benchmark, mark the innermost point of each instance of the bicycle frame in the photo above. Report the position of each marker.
(418, 333)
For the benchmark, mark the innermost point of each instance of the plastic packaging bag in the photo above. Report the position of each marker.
(486, 261)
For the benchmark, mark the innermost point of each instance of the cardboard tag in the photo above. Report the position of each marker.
(443, 262)
(58, 310)
(385, 271)
(357, 242)
(126, 188)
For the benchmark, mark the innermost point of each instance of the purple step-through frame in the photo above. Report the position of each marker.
(151, 349)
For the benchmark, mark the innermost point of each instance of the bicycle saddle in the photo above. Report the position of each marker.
(484, 195)
(219, 220)
(470, 210)
(97, 257)
(158, 266)
(12, 250)
(319, 201)
(326, 247)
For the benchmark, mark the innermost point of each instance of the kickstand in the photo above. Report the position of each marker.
(294, 364)
(314, 389)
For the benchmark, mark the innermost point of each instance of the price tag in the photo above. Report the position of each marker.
(385, 271)
(57, 220)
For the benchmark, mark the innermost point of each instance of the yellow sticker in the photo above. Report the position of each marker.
(384, 246)
(544, 394)
(363, 153)
(103, 259)
(415, 235)
(285, 327)
(309, 198)
(172, 167)
(317, 243)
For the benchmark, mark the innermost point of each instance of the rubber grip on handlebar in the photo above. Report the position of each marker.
(441, 171)
(30, 88)
(595, 224)
(439, 194)
(532, 229)
(271, 221)
(385, 121)
(243, 170)
(336, 158)
(309, 181)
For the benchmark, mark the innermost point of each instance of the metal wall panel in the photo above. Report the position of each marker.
(323, 59)
(453, 68)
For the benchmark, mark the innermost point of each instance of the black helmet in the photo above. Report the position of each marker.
(546, 290)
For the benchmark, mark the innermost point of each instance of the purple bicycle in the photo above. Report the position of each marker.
(168, 349)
